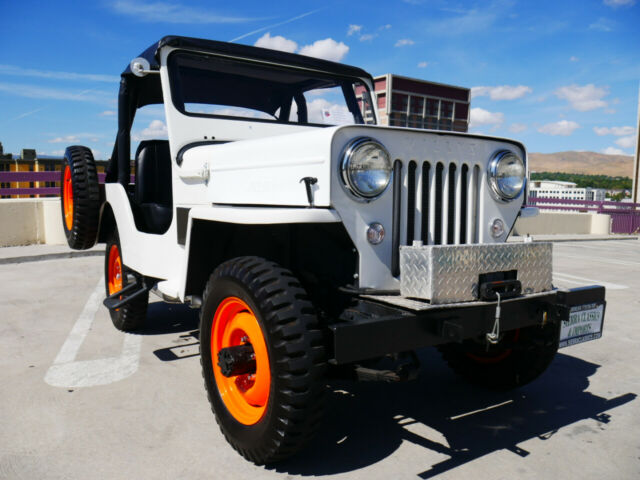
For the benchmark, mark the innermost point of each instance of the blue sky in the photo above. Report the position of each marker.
(557, 75)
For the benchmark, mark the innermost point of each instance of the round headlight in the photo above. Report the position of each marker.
(506, 175)
(366, 168)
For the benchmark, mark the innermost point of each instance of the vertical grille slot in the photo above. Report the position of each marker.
(411, 202)
(426, 167)
(397, 217)
(437, 231)
(451, 204)
(464, 207)
(473, 206)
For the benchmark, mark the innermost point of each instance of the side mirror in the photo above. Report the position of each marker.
(140, 67)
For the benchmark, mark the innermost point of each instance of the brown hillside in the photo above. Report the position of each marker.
(588, 163)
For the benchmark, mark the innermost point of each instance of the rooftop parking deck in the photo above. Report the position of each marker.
(82, 400)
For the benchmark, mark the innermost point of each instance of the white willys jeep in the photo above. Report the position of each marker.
(310, 248)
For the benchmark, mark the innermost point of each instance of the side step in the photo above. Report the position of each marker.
(127, 294)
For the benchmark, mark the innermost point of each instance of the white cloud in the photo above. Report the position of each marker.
(276, 43)
(480, 116)
(30, 72)
(602, 25)
(574, 59)
(627, 142)
(403, 42)
(384, 27)
(423, 64)
(108, 113)
(367, 37)
(353, 29)
(583, 98)
(327, 49)
(31, 91)
(339, 114)
(156, 130)
(619, 3)
(517, 127)
(617, 131)
(501, 92)
(613, 151)
(97, 154)
(165, 12)
(76, 138)
(563, 128)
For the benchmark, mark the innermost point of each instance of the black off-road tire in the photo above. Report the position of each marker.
(131, 316)
(520, 357)
(296, 353)
(81, 229)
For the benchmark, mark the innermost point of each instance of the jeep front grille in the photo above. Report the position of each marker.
(434, 202)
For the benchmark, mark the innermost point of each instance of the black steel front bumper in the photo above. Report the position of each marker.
(370, 329)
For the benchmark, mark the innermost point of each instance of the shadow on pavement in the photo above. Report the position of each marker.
(165, 318)
(366, 422)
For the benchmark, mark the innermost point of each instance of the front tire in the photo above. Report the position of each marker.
(520, 357)
(131, 316)
(272, 412)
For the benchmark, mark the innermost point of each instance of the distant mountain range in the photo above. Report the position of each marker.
(588, 163)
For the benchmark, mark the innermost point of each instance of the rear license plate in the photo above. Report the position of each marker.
(584, 324)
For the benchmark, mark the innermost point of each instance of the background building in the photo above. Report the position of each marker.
(29, 161)
(565, 191)
(414, 103)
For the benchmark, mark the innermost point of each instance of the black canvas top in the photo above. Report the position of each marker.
(246, 51)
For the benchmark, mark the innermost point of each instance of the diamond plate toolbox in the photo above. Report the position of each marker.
(450, 273)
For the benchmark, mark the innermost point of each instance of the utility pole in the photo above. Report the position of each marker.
(636, 162)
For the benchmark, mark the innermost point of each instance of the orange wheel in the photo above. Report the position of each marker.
(263, 358)
(246, 395)
(79, 198)
(132, 315)
(67, 198)
(114, 270)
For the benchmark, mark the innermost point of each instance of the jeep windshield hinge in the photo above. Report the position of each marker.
(195, 174)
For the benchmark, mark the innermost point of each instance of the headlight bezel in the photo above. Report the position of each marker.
(492, 176)
(347, 155)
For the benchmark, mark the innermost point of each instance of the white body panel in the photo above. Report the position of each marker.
(263, 164)
(153, 255)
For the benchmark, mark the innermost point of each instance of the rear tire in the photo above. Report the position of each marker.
(131, 316)
(272, 413)
(520, 357)
(79, 198)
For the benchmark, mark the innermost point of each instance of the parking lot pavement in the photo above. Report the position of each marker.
(80, 400)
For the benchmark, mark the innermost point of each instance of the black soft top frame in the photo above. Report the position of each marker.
(136, 92)
(246, 51)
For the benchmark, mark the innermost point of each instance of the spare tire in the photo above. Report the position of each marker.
(80, 198)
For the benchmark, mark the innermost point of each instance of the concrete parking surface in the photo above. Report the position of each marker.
(80, 400)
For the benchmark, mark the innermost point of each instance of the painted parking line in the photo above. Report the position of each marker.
(68, 372)
(565, 277)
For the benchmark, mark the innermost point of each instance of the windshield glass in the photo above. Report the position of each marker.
(211, 86)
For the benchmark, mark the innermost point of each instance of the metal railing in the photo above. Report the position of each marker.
(625, 216)
(35, 178)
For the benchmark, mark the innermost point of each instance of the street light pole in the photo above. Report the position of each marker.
(636, 162)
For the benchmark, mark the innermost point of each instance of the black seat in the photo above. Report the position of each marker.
(152, 199)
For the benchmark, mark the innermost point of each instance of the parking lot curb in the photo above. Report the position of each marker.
(50, 256)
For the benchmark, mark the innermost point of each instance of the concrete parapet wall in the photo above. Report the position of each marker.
(25, 221)
(564, 223)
